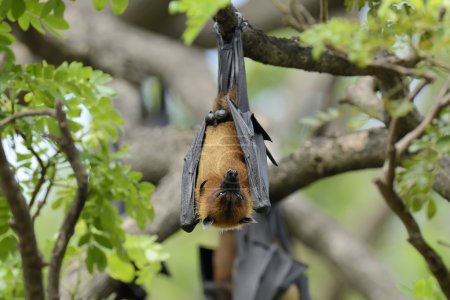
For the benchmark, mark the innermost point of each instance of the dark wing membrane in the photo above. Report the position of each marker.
(254, 153)
(188, 218)
(260, 130)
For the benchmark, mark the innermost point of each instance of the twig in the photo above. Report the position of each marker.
(29, 251)
(402, 70)
(38, 186)
(295, 14)
(44, 200)
(299, 11)
(362, 96)
(66, 231)
(433, 260)
(423, 83)
(323, 11)
(406, 141)
(393, 200)
(444, 244)
(27, 113)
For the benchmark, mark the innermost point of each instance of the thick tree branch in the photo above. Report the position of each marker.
(349, 255)
(290, 53)
(23, 226)
(324, 157)
(68, 226)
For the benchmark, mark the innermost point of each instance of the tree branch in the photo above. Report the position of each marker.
(323, 11)
(360, 268)
(289, 53)
(68, 226)
(23, 226)
(324, 157)
(433, 260)
(386, 185)
(27, 113)
(442, 102)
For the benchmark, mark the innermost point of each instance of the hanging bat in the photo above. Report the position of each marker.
(225, 175)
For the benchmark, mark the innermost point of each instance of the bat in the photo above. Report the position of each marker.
(225, 174)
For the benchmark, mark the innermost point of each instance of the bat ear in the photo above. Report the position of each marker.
(247, 220)
(208, 221)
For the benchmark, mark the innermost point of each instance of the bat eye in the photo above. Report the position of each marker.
(239, 195)
(207, 222)
(221, 195)
(247, 220)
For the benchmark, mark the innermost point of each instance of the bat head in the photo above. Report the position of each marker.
(227, 205)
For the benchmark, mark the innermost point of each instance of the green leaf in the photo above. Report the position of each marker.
(103, 241)
(119, 6)
(443, 144)
(8, 245)
(119, 269)
(37, 25)
(84, 239)
(198, 13)
(100, 4)
(47, 8)
(24, 22)
(56, 23)
(95, 257)
(18, 8)
(431, 209)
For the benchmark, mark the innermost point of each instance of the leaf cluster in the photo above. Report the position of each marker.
(44, 172)
(198, 12)
(415, 180)
(398, 27)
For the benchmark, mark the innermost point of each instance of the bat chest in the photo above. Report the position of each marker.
(221, 152)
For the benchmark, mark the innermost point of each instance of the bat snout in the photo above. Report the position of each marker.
(231, 173)
(230, 180)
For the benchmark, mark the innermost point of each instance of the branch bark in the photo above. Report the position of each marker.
(290, 53)
(23, 226)
(68, 226)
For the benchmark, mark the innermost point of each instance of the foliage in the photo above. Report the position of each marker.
(38, 162)
(401, 27)
(118, 6)
(426, 289)
(198, 13)
(415, 181)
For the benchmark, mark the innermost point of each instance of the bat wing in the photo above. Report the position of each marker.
(252, 145)
(188, 218)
